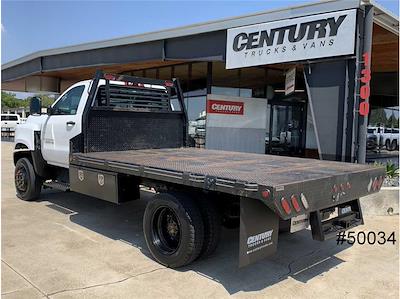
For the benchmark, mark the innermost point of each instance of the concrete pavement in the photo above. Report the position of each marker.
(68, 245)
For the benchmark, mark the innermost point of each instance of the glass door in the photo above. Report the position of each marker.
(286, 134)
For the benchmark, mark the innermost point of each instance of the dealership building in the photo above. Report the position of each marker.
(300, 81)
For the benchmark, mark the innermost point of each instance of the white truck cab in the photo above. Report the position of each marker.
(63, 122)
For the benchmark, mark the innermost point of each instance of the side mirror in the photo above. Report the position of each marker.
(49, 110)
(35, 106)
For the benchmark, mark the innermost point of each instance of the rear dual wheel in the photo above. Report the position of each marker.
(179, 229)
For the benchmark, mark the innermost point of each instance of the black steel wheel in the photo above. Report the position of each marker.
(27, 183)
(166, 230)
(173, 229)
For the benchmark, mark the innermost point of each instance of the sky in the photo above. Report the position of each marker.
(30, 26)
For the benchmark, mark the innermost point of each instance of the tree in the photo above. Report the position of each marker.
(392, 122)
(46, 100)
(9, 100)
(377, 117)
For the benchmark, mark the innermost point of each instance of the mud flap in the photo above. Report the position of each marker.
(258, 231)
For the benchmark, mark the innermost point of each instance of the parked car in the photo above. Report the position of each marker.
(379, 137)
(9, 122)
(373, 137)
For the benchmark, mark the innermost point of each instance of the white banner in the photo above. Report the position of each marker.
(317, 36)
(290, 81)
(240, 112)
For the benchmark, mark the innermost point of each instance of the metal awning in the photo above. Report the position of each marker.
(175, 44)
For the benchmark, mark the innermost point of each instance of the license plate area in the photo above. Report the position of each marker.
(299, 223)
(327, 223)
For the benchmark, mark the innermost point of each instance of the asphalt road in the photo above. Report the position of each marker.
(68, 245)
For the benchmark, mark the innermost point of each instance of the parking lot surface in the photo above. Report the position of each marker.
(67, 245)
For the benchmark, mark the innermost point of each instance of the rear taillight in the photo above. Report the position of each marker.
(265, 194)
(335, 189)
(304, 200)
(295, 203)
(285, 205)
(348, 185)
(376, 183)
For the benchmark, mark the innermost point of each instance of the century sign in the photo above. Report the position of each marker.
(225, 107)
(317, 36)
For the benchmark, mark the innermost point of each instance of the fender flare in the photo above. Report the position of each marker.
(39, 164)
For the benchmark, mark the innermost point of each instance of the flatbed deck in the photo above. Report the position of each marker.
(266, 170)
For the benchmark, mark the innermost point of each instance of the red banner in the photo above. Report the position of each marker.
(225, 107)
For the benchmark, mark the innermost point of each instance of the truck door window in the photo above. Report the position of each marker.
(69, 102)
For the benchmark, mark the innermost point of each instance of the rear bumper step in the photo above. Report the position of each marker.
(327, 229)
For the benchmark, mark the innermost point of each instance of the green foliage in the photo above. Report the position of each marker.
(377, 117)
(392, 122)
(392, 170)
(46, 100)
(9, 100)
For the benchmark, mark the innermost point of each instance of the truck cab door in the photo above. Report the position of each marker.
(64, 123)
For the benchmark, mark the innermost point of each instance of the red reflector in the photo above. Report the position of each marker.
(295, 203)
(266, 194)
(109, 77)
(285, 205)
(168, 83)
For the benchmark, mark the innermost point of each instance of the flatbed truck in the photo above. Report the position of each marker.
(112, 135)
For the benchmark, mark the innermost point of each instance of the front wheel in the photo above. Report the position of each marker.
(173, 229)
(27, 183)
